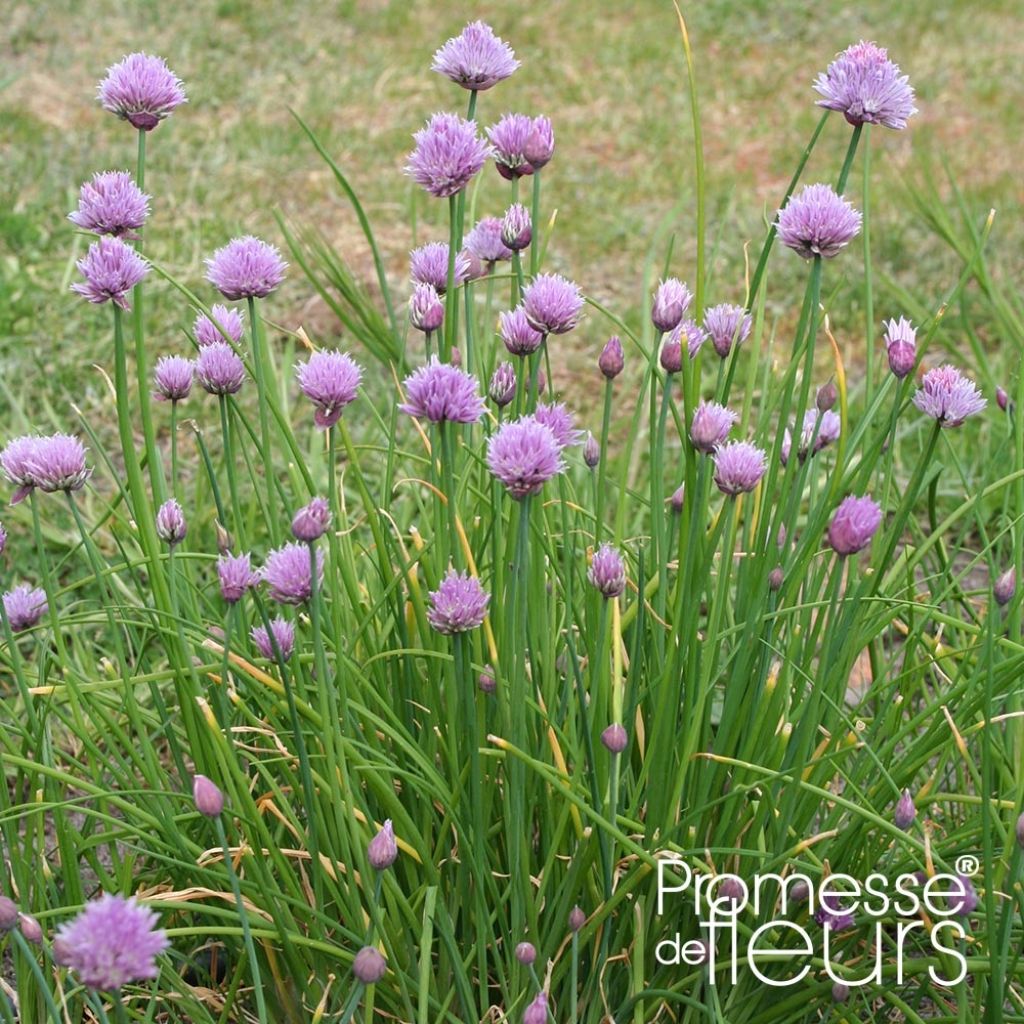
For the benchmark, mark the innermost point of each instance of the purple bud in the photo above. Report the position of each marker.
(382, 851)
(537, 1011)
(208, 798)
(526, 953)
(607, 571)
(710, 426)
(1005, 587)
(577, 919)
(853, 525)
(614, 738)
(8, 914)
(901, 346)
(611, 361)
(840, 992)
(539, 147)
(671, 301)
(31, 929)
(312, 521)
(173, 378)
(486, 680)
(591, 452)
(775, 578)
(1020, 831)
(905, 813)
(426, 311)
(962, 898)
(827, 397)
(672, 356)
(516, 229)
(369, 966)
(170, 523)
(503, 385)
(677, 499)
(1002, 399)
(456, 357)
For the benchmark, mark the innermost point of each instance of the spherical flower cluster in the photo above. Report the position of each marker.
(519, 337)
(607, 571)
(236, 576)
(476, 59)
(24, 606)
(111, 942)
(854, 523)
(553, 305)
(614, 738)
(111, 270)
(57, 463)
(524, 454)
(739, 467)
(508, 140)
(219, 369)
(459, 604)
(330, 380)
(819, 430)
(111, 204)
(369, 965)
(484, 242)
(867, 88)
(170, 523)
(223, 325)
(448, 153)
(282, 634)
(312, 521)
(711, 425)
(429, 265)
(671, 300)
(817, 222)
(14, 461)
(557, 418)
(726, 325)
(142, 90)
(441, 392)
(246, 268)
(948, 396)
(831, 915)
(173, 378)
(426, 310)
(288, 573)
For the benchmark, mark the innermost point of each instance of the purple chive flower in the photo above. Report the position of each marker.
(382, 850)
(486, 681)
(727, 325)
(817, 222)
(429, 265)
(901, 346)
(1002, 398)
(607, 572)
(246, 268)
(426, 310)
(614, 738)
(484, 242)
(557, 418)
(519, 337)
(591, 452)
(447, 155)
(219, 369)
(503, 385)
(369, 965)
(832, 916)
(853, 525)
(111, 204)
(142, 90)
(867, 88)
(671, 300)
(526, 953)
(236, 576)
(458, 605)
(739, 467)
(24, 606)
(671, 357)
(553, 305)
(31, 929)
(689, 333)
(962, 899)
(577, 918)
(111, 270)
(524, 454)
(173, 378)
(611, 361)
(224, 323)
(330, 380)
(948, 396)
(282, 633)
(312, 521)
(516, 228)
(711, 425)
(57, 463)
(476, 59)
(537, 1011)
(508, 141)
(14, 461)
(1003, 589)
(905, 813)
(540, 143)
(207, 796)
(440, 392)
(287, 573)
(170, 523)
(821, 427)
(111, 942)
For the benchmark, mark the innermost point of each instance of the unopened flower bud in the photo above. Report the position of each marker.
(170, 523)
(591, 452)
(1020, 831)
(905, 813)
(827, 396)
(537, 1011)
(672, 356)
(206, 795)
(456, 357)
(516, 229)
(1002, 399)
(614, 738)
(31, 929)
(369, 966)
(312, 521)
(503, 385)
(677, 499)
(224, 540)
(8, 914)
(526, 953)
(577, 919)
(426, 311)
(612, 360)
(382, 850)
(1005, 587)
(775, 578)
(486, 681)
(840, 992)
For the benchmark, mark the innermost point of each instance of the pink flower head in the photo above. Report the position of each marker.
(57, 463)
(282, 633)
(382, 850)
(173, 378)
(429, 265)
(369, 965)
(14, 461)
(448, 153)
(458, 605)
(484, 241)
(901, 346)
(330, 380)
(111, 270)
(615, 738)
(24, 606)
(540, 143)
(503, 385)
(476, 59)
(612, 360)
(537, 1011)
(607, 571)
(819, 430)
(312, 521)
(853, 525)
(516, 227)
(170, 523)
(111, 942)
(739, 467)
(440, 391)
(948, 396)
(141, 90)
(508, 139)
(524, 454)
(224, 324)
(691, 335)
(426, 310)
(519, 337)
(219, 369)
(288, 573)
(867, 88)
(111, 204)
(236, 576)
(246, 268)
(557, 418)
(817, 222)
(727, 325)
(553, 305)
(671, 300)
(711, 425)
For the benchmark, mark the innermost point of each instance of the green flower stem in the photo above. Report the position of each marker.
(264, 372)
(535, 246)
(869, 306)
(237, 524)
(602, 469)
(467, 289)
(455, 555)
(450, 335)
(174, 449)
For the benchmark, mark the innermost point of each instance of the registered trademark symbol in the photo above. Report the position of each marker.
(967, 864)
